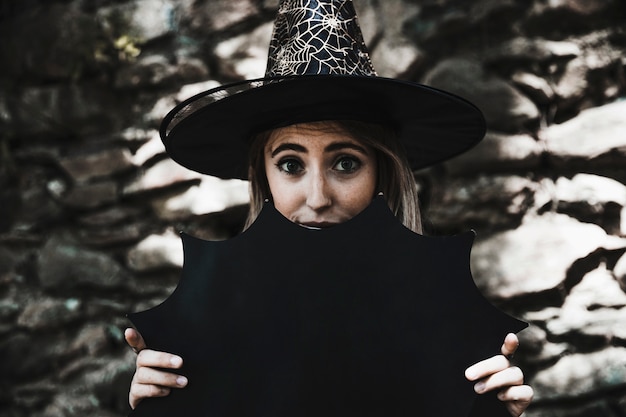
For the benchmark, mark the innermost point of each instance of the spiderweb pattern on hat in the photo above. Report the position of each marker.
(317, 37)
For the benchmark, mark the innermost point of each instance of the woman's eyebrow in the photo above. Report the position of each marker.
(288, 147)
(337, 146)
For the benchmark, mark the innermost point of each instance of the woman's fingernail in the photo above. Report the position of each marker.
(479, 387)
(181, 381)
(176, 361)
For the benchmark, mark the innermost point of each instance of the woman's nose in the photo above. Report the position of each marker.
(319, 195)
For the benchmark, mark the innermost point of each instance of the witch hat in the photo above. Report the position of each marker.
(318, 69)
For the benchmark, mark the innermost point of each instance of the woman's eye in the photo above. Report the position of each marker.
(348, 164)
(290, 166)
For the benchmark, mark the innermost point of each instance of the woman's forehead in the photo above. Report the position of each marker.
(310, 132)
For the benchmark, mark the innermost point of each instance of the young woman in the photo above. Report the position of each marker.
(328, 136)
(318, 175)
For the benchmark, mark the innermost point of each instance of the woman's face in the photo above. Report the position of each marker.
(318, 176)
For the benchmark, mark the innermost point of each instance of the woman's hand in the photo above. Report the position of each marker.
(147, 381)
(497, 373)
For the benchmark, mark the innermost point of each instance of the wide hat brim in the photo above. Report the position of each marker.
(210, 132)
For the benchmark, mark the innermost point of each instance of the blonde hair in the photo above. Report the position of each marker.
(395, 178)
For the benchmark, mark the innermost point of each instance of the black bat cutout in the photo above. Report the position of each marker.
(365, 318)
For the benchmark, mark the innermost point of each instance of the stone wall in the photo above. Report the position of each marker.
(90, 204)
